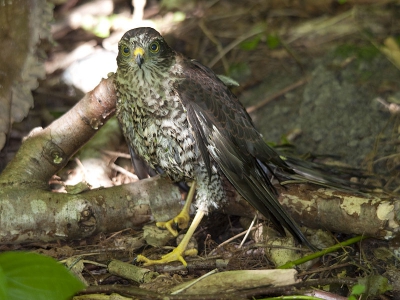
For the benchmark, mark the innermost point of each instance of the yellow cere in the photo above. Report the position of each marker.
(138, 51)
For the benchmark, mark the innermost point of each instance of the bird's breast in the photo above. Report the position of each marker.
(155, 124)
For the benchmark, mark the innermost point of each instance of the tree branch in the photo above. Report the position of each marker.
(29, 212)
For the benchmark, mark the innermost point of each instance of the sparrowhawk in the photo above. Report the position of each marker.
(179, 117)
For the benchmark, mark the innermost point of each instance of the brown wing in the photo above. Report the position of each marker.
(224, 132)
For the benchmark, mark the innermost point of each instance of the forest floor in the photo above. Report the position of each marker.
(319, 75)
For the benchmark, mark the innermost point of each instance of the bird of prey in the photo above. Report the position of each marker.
(179, 117)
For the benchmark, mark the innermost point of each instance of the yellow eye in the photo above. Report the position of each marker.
(126, 51)
(154, 47)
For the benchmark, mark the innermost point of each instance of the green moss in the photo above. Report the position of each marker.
(250, 44)
(363, 52)
(239, 71)
(273, 41)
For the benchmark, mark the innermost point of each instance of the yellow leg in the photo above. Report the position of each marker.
(178, 253)
(182, 219)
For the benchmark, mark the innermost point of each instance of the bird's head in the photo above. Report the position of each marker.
(143, 48)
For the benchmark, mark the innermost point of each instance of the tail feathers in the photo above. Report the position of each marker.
(262, 197)
(247, 175)
(328, 176)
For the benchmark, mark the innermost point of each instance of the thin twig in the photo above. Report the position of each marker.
(195, 281)
(248, 232)
(83, 169)
(123, 171)
(233, 238)
(236, 42)
(278, 94)
(215, 41)
(334, 248)
(116, 153)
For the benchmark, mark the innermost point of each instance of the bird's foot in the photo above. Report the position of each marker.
(176, 255)
(180, 251)
(181, 221)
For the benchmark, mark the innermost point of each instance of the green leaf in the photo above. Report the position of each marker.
(250, 44)
(36, 277)
(239, 71)
(3, 286)
(273, 41)
(375, 285)
(228, 81)
(179, 16)
(358, 289)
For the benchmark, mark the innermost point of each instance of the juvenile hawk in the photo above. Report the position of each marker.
(179, 117)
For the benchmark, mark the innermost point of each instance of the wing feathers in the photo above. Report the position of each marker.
(251, 185)
(222, 126)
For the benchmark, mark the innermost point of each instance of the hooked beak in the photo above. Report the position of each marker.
(138, 54)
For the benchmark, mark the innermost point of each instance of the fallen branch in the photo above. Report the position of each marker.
(31, 213)
(316, 207)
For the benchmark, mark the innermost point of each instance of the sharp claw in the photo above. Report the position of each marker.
(144, 259)
(176, 255)
(182, 260)
(181, 222)
(167, 225)
(182, 225)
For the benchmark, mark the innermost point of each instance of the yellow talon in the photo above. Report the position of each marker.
(176, 255)
(182, 219)
(180, 251)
